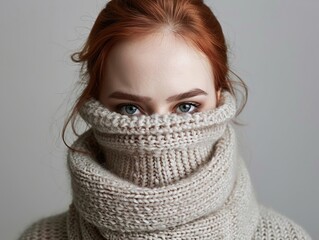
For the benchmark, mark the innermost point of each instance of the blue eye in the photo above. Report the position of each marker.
(185, 107)
(127, 109)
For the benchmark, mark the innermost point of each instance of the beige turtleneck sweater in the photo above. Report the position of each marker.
(162, 177)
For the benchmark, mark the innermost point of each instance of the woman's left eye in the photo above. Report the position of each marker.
(185, 107)
(127, 109)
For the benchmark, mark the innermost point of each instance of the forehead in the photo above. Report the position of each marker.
(156, 58)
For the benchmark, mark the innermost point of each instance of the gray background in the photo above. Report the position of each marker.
(273, 47)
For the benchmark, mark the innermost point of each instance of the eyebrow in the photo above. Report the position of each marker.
(192, 93)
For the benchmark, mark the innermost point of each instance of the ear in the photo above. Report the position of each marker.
(218, 94)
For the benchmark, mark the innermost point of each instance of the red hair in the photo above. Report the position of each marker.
(126, 19)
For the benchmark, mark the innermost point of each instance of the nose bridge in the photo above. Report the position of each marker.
(160, 108)
(163, 111)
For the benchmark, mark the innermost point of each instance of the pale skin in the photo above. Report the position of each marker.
(149, 71)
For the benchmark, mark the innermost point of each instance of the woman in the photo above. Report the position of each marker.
(160, 159)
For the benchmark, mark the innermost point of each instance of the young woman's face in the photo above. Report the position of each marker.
(159, 73)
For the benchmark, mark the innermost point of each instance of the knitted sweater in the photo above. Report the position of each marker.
(170, 176)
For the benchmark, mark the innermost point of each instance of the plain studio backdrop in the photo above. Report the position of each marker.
(273, 48)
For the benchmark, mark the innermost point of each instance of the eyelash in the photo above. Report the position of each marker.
(196, 105)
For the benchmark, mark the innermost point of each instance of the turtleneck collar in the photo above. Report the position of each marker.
(214, 199)
(157, 150)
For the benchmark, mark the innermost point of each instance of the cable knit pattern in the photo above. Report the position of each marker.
(162, 177)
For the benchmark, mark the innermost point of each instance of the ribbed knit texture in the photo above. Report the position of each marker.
(162, 177)
(158, 150)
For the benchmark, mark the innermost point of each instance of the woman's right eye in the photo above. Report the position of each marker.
(127, 109)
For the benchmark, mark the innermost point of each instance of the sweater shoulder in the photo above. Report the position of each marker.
(274, 225)
(49, 228)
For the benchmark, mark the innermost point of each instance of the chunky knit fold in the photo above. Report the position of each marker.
(205, 205)
(157, 150)
(171, 176)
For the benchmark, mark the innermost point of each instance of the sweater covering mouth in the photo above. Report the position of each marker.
(157, 150)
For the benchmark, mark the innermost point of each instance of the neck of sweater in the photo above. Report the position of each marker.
(177, 156)
(158, 150)
(215, 201)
